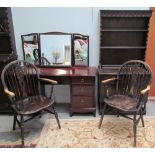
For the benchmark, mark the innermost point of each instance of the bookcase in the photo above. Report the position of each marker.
(7, 52)
(123, 37)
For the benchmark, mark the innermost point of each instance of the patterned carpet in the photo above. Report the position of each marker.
(115, 132)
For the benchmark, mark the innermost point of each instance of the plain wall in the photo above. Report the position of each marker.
(61, 19)
(69, 20)
(40, 20)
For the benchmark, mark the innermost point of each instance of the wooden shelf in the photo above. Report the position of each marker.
(125, 14)
(4, 51)
(123, 37)
(3, 57)
(123, 47)
(124, 30)
(4, 34)
(7, 52)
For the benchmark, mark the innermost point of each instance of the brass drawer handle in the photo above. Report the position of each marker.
(82, 100)
(82, 80)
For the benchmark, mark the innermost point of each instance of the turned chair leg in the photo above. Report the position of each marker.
(56, 116)
(22, 129)
(102, 115)
(141, 116)
(134, 129)
(117, 113)
(14, 121)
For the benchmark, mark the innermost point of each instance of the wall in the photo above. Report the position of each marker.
(39, 20)
(71, 20)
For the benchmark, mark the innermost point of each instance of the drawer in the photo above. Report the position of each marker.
(82, 102)
(81, 80)
(84, 90)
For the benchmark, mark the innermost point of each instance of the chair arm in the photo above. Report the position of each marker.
(145, 90)
(48, 80)
(11, 94)
(108, 80)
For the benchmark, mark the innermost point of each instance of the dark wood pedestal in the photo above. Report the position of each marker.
(82, 86)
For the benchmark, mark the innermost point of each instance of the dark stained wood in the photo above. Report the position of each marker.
(82, 102)
(82, 90)
(123, 37)
(83, 94)
(21, 82)
(131, 92)
(82, 82)
(69, 71)
(103, 74)
(7, 52)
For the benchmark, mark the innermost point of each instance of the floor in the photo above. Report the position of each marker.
(63, 111)
(34, 127)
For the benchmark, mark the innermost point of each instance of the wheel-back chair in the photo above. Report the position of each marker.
(21, 83)
(132, 86)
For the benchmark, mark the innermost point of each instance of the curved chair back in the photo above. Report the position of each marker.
(21, 78)
(134, 76)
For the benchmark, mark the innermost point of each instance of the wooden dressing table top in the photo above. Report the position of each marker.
(69, 71)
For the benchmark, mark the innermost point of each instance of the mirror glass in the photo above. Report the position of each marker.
(30, 48)
(55, 49)
(81, 50)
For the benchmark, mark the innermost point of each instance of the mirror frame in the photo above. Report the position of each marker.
(78, 36)
(27, 35)
(55, 33)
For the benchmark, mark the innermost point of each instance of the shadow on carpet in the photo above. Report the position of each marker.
(12, 139)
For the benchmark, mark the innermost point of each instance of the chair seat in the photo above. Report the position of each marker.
(33, 104)
(122, 102)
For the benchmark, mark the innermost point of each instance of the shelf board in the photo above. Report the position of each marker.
(4, 34)
(3, 57)
(124, 30)
(123, 47)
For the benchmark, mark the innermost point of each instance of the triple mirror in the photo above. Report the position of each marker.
(56, 49)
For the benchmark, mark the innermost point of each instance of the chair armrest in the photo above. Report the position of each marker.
(145, 90)
(10, 93)
(48, 80)
(106, 85)
(108, 80)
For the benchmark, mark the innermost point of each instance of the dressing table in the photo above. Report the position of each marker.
(64, 57)
(82, 86)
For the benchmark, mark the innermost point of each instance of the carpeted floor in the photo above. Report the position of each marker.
(115, 132)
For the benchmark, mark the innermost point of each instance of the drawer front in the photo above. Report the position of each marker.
(83, 90)
(82, 102)
(82, 80)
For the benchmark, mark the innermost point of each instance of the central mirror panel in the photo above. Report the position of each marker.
(55, 49)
